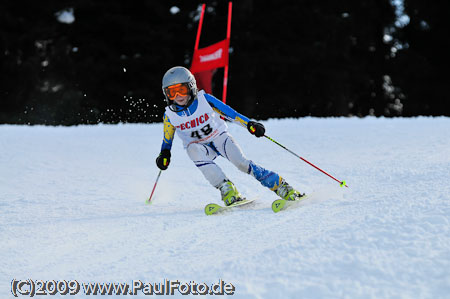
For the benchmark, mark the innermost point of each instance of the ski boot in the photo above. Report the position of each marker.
(229, 193)
(286, 192)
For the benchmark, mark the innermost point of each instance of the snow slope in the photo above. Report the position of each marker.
(72, 208)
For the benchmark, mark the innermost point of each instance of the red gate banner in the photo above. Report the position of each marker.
(206, 60)
(204, 80)
(211, 57)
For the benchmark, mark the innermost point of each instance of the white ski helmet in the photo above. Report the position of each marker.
(176, 75)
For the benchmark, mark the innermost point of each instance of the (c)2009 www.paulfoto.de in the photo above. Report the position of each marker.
(30, 287)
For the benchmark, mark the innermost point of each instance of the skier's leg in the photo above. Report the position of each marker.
(274, 182)
(203, 157)
(227, 147)
(231, 150)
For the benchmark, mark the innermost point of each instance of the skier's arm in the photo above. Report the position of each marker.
(163, 160)
(255, 128)
(169, 133)
(226, 111)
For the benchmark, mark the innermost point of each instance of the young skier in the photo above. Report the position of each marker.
(195, 116)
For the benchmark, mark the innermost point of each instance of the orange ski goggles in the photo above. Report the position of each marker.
(181, 89)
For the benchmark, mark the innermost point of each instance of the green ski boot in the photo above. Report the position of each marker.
(286, 192)
(229, 193)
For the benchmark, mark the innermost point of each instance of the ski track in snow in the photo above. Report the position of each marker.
(72, 207)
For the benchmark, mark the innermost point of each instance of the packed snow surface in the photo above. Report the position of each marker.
(72, 207)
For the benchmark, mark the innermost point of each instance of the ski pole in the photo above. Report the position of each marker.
(341, 183)
(149, 200)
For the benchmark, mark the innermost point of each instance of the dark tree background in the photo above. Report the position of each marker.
(288, 58)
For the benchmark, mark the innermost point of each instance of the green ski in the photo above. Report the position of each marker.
(282, 204)
(214, 208)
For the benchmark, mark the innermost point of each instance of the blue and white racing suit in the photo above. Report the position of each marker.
(205, 137)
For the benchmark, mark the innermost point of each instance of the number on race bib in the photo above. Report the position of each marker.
(195, 134)
(206, 130)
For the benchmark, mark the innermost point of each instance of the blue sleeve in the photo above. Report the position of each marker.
(226, 111)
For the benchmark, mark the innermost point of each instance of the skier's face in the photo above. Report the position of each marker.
(178, 92)
(181, 100)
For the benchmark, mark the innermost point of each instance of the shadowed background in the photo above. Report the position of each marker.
(86, 62)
